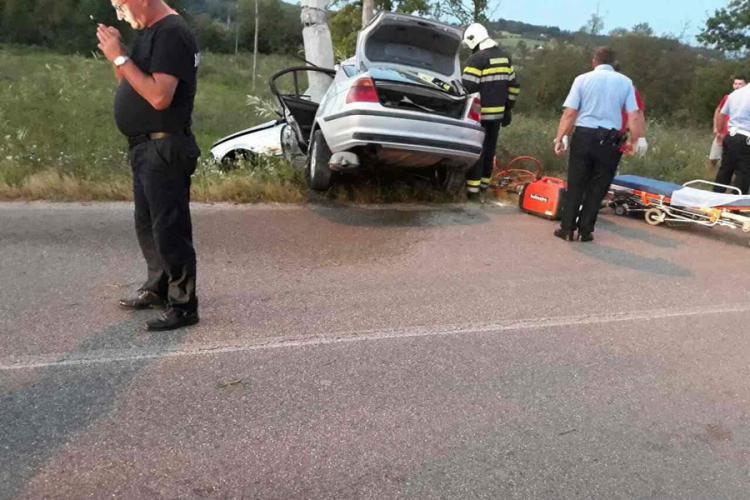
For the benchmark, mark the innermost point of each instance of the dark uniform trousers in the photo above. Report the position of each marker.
(735, 161)
(482, 169)
(161, 192)
(593, 163)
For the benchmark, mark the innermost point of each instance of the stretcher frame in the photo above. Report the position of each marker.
(657, 209)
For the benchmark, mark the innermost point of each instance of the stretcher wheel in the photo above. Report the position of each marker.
(621, 210)
(654, 216)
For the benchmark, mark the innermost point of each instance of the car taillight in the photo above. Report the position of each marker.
(363, 90)
(475, 112)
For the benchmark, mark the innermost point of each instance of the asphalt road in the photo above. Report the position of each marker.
(431, 352)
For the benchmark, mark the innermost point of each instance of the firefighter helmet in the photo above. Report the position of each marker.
(474, 35)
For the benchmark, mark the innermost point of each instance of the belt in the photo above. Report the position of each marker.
(595, 130)
(134, 140)
(610, 136)
(734, 131)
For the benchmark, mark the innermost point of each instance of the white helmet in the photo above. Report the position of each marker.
(474, 35)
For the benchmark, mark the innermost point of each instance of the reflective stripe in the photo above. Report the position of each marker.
(494, 71)
(486, 180)
(471, 183)
(500, 60)
(473, 71)
(496, 109)
(470, 78)
(495, 78)
(472, 190)
(487, 118)
(514, 90)
(511, 97)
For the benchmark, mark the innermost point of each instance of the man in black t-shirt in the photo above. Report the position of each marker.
(153, 109)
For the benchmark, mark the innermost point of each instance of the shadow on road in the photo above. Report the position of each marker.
(404, 217)
(650, 234)
(647, 235)
(43, 416)
(628, 260)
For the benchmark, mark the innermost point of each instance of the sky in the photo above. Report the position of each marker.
(665, 16)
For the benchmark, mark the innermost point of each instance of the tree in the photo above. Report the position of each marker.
(345, 23)
(729, 28)
(644, 29)
(595, 25)
(464, 11)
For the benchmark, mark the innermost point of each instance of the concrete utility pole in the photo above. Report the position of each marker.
(255, 46)
(318, 45)
(368, 11)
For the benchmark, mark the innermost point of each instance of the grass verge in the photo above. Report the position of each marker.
(58, 140)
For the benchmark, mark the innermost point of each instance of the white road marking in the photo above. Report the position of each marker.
(56, 360)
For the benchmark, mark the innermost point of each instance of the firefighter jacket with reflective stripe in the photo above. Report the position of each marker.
(490, 72)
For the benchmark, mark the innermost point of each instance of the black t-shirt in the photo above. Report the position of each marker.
(166, 47)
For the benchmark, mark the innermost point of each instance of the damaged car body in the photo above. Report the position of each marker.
(398, 103)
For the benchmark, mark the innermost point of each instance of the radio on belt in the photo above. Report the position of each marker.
(543, 197)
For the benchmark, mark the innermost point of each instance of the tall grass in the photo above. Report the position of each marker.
(58, 139)
(676, 154)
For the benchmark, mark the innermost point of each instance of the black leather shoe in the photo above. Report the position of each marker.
(565, 234)
(586, 237)
(171, 319)
(143, 300)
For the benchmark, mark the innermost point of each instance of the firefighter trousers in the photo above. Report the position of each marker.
(481, 173)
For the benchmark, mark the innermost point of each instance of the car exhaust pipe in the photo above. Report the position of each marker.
(344, 160)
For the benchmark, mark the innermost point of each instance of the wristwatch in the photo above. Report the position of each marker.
(120, 60)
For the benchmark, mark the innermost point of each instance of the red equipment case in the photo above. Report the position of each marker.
(543, 197)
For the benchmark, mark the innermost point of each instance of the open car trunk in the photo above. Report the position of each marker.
(401, 40)
(413, 91)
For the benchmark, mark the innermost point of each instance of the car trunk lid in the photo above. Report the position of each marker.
(401, 40)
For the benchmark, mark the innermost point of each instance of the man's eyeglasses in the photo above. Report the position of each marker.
(118, 7)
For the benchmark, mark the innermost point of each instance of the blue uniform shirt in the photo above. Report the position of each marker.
(599, 96)
(737, 108)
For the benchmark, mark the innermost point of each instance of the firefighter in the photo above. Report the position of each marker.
(488, 71)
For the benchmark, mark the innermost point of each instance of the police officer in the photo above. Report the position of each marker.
(488, 71)
(593, 109)
(736, 155)
(153, 109)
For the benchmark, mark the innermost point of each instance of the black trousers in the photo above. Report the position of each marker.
(735, 161)
(591, 168)
(481, 173)
(161, 191)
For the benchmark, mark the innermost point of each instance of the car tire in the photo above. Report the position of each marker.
(450, 180)
(319, 174)
(231, 160)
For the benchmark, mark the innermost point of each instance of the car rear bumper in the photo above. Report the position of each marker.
(456, 140)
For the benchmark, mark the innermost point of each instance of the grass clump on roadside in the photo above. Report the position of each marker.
(58, 140)
(676, 153)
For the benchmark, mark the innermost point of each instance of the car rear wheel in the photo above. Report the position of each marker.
(450, 180)
(318, 172)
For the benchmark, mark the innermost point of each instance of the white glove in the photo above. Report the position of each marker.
(562, 145)
(641, 147)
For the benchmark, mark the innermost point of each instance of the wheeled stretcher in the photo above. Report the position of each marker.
(665, 202)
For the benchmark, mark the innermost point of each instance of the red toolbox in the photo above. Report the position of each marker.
(543, 197)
